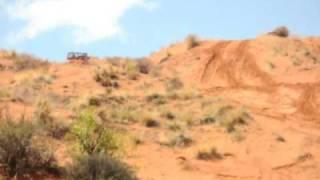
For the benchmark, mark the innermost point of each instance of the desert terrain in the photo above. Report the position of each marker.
(197, 109)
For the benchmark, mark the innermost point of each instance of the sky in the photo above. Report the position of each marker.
(52, 28)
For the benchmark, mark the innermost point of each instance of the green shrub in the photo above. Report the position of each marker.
(91, 136)
(19, 153)
(99, 167)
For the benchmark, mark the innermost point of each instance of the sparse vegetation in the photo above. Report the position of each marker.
(124, 115)
(227, 117)
(281, 31)
(48, 123)
(177, 140)
(20, 154)
(174, 84)
(107, 78)
(99, 167)
(27, 61)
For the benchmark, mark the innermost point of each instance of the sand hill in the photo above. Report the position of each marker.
(207, 109)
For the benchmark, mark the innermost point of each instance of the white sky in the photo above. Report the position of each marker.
(90, 20)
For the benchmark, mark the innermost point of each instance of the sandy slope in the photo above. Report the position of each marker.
(276, 79)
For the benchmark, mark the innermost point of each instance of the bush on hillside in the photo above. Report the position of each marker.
(19, 153)
(91, 136)
(281, 31)
(27, 61)
(192, 41)
(99, 166)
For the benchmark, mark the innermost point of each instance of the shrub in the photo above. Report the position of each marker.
(174, 84)
(92, 137)
(144, 66)
(227, 116)
(94, 101)
(99, 167)
(131, 69)
(19, 153)
(192, 41)
(106, 78)
(168, 115)
(27, 61)
(281, 31)
(212, 154)
(156, 99)
(151, 123)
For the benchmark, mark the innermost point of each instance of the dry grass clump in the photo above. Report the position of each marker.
(107, 78)
(157, 99)
(226, 116)
(211, 154)
(281, 31)
(123, 115)
(176, 140)
(29, 87)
